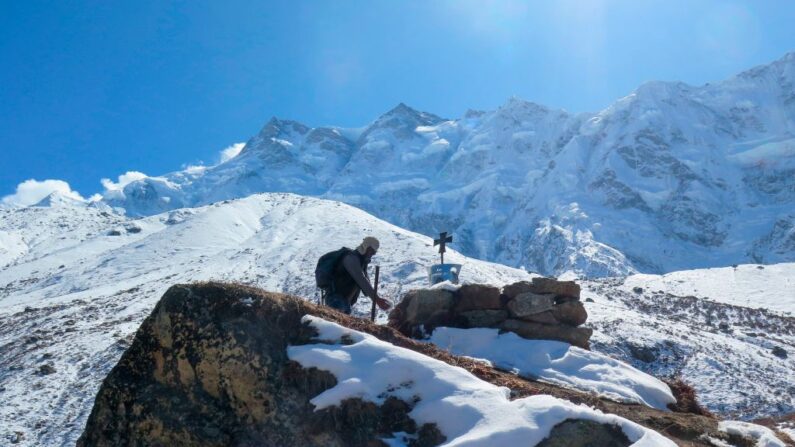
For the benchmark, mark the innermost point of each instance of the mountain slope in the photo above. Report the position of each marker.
(739, 359)
(670, 177)
(72, 298)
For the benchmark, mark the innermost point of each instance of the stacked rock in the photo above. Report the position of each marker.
(543, 308)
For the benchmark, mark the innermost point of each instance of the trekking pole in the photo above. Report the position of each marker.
(375, 287)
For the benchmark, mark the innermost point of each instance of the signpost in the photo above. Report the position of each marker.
(441, 242)
(443, 272)
(375, 287)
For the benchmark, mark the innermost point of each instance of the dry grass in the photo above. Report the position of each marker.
(686, 399)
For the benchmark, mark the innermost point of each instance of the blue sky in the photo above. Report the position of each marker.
(92, 90)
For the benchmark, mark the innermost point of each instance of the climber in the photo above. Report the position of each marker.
(342, 274)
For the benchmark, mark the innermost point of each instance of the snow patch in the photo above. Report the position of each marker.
(558, 363)
(770, 287)
(12, 246)
(765, 153)
(763, 436)
(446, 285)
(467, 410)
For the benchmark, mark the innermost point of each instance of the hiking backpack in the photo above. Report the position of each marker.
(324, 272)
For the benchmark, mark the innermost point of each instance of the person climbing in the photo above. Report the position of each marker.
(341, 276)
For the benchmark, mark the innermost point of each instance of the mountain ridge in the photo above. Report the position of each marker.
(706, 172)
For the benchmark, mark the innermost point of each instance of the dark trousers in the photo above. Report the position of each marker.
(337, 301)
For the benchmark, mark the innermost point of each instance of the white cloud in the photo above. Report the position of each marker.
(33, 191)
(195, 169)
(231, 152)
(123, 180)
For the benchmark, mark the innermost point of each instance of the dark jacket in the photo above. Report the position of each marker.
(350, 277)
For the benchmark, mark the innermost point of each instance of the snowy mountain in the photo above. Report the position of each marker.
(76, 281)
(670, 177)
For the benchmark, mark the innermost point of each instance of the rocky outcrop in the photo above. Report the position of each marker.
(543, 308)
(209, 367)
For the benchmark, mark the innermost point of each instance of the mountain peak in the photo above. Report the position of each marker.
(402, 108)
(657, 88)
(58, 199)
(515, 103)
(276, 127)
(404, 112)
(783, 66)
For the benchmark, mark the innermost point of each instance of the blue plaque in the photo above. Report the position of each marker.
(443, 272)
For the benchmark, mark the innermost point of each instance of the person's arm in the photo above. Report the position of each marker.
(352, 266)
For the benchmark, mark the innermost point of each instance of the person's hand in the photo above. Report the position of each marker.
(382, 303)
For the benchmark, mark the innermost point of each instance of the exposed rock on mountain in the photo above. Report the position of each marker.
(210, 366)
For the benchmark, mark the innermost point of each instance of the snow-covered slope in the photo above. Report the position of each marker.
(86, 278)
(467, 410)
(558, 363)
(83, 280)
(670, 177)
(770, 287)
(740, 360)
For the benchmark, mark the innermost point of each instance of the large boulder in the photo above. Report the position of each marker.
(577, 336)
(529, 303)
(422, 310)
(209, 367)
(555, 287)
(424, 304)
(478, 297)
(546, 317)
(543, 286)
(512, 290)
(484, 318)
(570, 312)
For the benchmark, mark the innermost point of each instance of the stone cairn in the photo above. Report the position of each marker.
(544, 309)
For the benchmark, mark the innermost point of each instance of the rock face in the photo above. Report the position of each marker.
(543, 308)
(209, 367)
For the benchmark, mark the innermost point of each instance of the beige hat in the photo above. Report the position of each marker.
(368, 242)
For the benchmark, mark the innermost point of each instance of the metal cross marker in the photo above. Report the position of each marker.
(443, 239)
